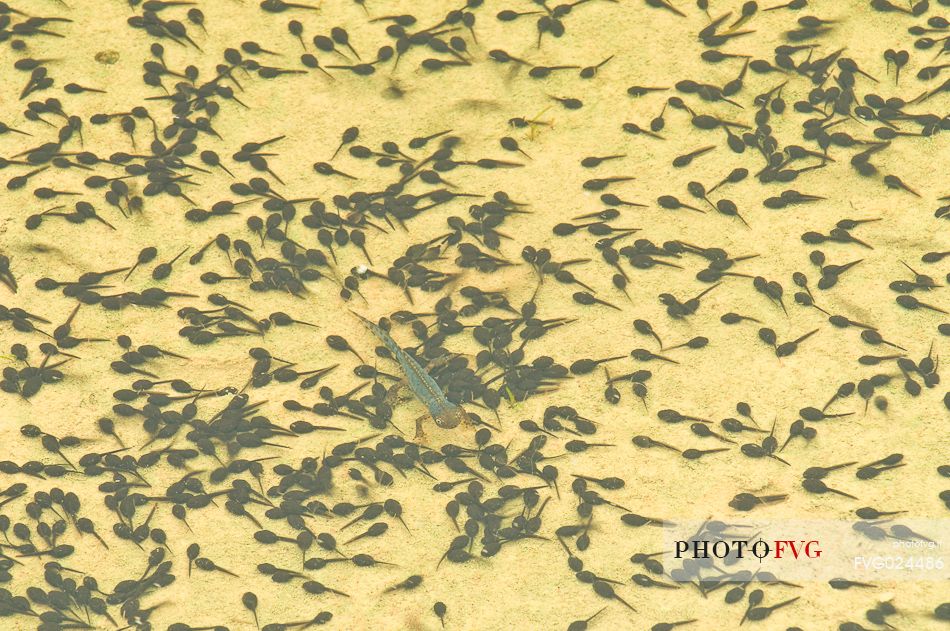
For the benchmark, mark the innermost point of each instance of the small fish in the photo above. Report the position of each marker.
(446, 414)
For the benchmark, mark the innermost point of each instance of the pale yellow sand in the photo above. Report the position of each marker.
(528, 585)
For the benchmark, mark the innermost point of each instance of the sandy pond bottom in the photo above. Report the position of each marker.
(528, 584)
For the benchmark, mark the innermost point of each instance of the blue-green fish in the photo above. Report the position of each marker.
(446, 414)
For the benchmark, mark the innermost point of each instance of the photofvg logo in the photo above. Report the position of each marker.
(738, 548)
(740, 551)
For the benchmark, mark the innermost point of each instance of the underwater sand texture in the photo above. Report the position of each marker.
(527, 583)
